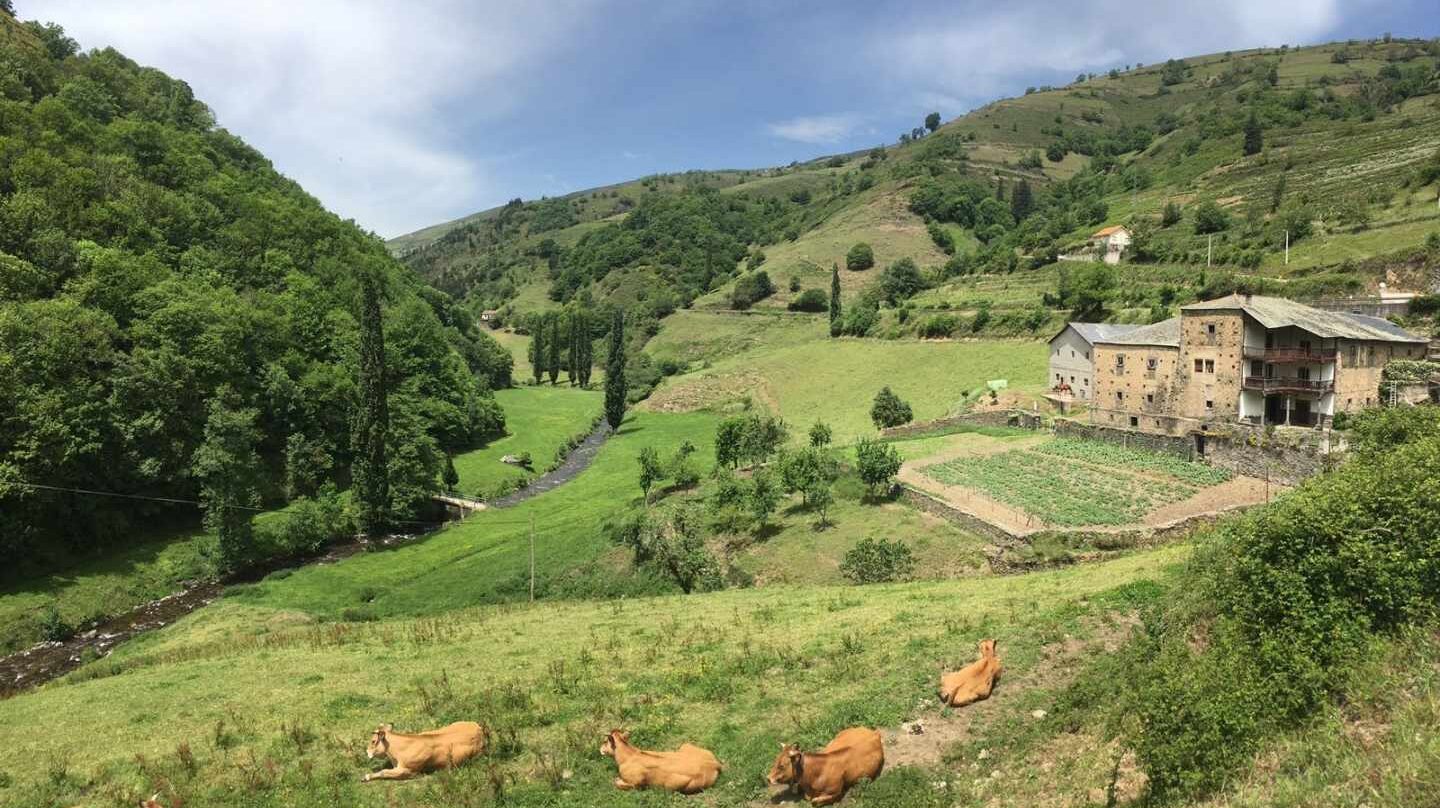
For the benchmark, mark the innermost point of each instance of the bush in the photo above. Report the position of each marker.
(938, 326)
(889, 410)
(1278, 606)
(812, 300)
(750, 289)
(1170, 215)
(901, 281)
(53, 627)
(1209, 218)
(860, 257)
(873, 561)
(305, 526)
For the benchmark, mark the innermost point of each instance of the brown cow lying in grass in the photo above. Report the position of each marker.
(973, 682)
(824, 777)
(688, 770)
(425, 751)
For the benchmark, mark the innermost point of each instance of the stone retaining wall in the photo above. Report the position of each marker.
(1011, 418)
(1171, 444)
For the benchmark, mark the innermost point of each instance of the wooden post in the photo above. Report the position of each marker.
(532, 558)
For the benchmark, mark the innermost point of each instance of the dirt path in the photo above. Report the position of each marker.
(577, 461)
(1239, 492)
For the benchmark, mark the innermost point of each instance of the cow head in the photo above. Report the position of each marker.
(987, 649)
(788, 765)
(613, 739)
(379, 743)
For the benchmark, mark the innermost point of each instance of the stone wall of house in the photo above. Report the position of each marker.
(1134, 381)
(1216, 340)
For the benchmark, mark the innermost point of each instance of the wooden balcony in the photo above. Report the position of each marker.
(1291, 356)
(1288, 385)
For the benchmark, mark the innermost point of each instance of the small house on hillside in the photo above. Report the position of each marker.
(1072, 351)
(1111, 242)
(490, 316)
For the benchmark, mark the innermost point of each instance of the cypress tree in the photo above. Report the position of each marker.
(836, 309)
(537, 347)
(371, 474)
(587, 349)
(1254, 135)
(552, 345)
(615, 373)
(452, 477)
(1021, 202)
(572, 367)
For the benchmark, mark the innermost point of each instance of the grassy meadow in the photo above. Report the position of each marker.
(836, 380)
(539, 420)
(268, 701)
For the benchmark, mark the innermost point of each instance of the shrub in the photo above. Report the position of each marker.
(938, 326)
(889, 410)
(860, 257)
(812, 300)
(1277, 606)
(873, 561)
(1209, 218)
(1170, 215)
(901, 281)
(750, 289)
(55, 628)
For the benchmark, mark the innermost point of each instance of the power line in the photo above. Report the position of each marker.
(199, 504)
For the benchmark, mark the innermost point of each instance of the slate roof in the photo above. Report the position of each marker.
(1099, 332)
(1105, 231)
(1165, 333)
(1277, 312)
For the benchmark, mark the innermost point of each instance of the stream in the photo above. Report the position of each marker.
(49, 660)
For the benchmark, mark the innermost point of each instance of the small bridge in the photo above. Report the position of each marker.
(464, 506)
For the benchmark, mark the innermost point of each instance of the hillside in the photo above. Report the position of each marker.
(179, 323)
(1348, 164)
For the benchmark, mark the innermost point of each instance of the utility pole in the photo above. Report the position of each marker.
(1287, 248)
(532, 558)
(1209, 245)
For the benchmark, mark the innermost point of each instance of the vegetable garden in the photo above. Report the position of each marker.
(1102, 484)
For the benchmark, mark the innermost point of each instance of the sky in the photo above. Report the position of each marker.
(406, 113)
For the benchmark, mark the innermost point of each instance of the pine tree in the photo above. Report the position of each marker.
(553, 344)
(537, 347)
(1254, 135)
(836, 308)
(370, 474)
(1021, 202)
(615, 373)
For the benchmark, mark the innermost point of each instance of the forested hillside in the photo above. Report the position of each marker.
(170, 303)
(1215, 162)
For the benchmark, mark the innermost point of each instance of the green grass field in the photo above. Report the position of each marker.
(693, 336)
(109, 584)
(836, 380)
(539, 420)
(273, 706)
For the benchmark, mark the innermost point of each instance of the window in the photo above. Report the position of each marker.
(1120, 362)
(1257, 368)
(1209, 405)
(1209, 365)
(1149, 398)
(1210, 329)
(1199, 365)
(1072, 379)
(1084, 381)
(1302, 374)
(1119, 397)
(1134, 421)
(1151, 363)
(1072, 353)
(1087, 354)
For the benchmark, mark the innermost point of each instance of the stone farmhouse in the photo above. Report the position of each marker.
(1072, 356)
(1244, 359)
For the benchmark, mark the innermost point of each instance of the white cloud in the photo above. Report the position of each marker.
(979, 56)
(819, 129)
(356, 101)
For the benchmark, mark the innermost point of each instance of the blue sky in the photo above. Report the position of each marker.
(404, 113)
